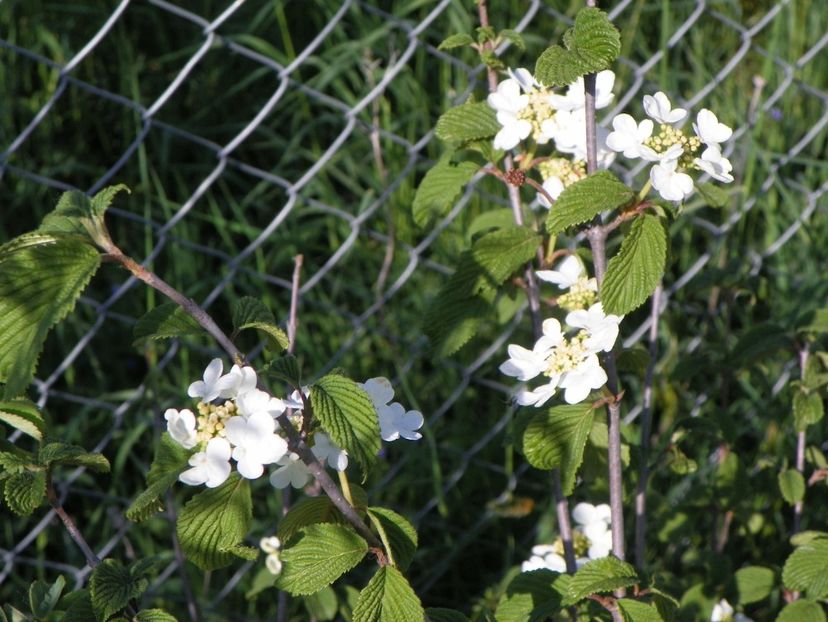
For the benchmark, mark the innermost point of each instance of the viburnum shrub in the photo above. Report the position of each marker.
(534, 130)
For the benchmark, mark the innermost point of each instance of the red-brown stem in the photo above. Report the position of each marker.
(92, 560)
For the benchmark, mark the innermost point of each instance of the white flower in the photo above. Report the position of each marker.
(578, 382)
(553, 186)
(181, 426)
(270, 544)
(513, 131)
(651, 155)
(708, 128)
(294, 401)
(602, 328)
(211, 466)
(325, 449)
(259, 401)
(715, 164)
(526, 364)
(291, 472)
(568, 129)
(567, 274)
(574, 98)
(550, 561)
(586, 514)
(539, 396)
(671, 185)
(273, 564)
(246, 381)
(508, 101)
(379, 390)
(628, 136)
(594, 522)
(723, 612)
(214, 384)
(255, 443)
(396, 423)
(524, 78)
(658, 107)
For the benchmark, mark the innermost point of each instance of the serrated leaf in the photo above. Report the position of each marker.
(214, 522)
(72, 455)
(502, 218)
(388, 598)
(455, 41)
(792, 486)
(44, 596)
(41, 278)
(555, 439)
(24, 491)
(317, 556)
(713, 194)
(591, 45)
(585, 199)
(532, 596)
(322, 605)
(80, 608)
(635, 360)
(468, 121)
(637, 611)
(400, 533)
(754, 583)
(606, 574)
(248, 312)
(808, 409)
(78, 215)
(802, 611)
(101, 201)
(113, 585)
(348, 416)
(450, 323)
(23, 415)
(154, 615)
(308, 511)
(169, 461)
(441, 614)
(514, 37)
(166, 321)
(286, 369)
(633, 274)
(805, 569)
(439, 188)
(17, 462)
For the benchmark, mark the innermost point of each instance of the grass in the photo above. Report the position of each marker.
(84, 135)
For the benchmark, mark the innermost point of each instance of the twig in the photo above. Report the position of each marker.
(92, 560)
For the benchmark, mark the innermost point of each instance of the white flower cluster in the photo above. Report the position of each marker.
(672, 151)
(237, 421)
(723, 612)
(592, 539)
(569, 362)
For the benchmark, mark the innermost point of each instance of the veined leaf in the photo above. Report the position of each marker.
(248, 312)
(585, 199)
(805, 569)
(23, 415)
(439, 188)
(808, 409)
(166, 321)
(113, 585)
(388, 598)
(317, 556)
(348, 415)
(401, 534)
(41, 277)
(285, 368)
(468, 121)
(154, 615)
(633, 274)
(455, 41)
(600, 575)
(754, 583)
(79, 607)
(44, 596)
(802, 610)
(322, 605)
(533, 596)
(78, 215)
(792, 486)
(308, 511)
(72, 455)
(25, 490)
(170, 460)
(637, 611)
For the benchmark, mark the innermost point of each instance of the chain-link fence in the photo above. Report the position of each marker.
(250, 132)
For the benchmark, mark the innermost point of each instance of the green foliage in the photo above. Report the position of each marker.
(808, 408)
(44, 596)
(400, 534)
(214, 522)
(348, 415)
(78, 215)
(318, 555)
(589, 47)
(792, 485)
(154, 615)
(533, 596)
(600, 575)
(166, 321)
(41, 278)
(112, 585)
(555, 439)
(439, 188)
(248, 312)
(23, 415)
(169, 462)
(637, 611)
(308, 511)
(804, 570)
(754, 583)
(713, 194)
(814, 322)
(323, 605)
(53, 454)
(80, 608)
(440, 614)
(802, 610)
(469, 121)
(455, 41)
(585, 199)
(25, 490)
(388, 598)
(633, 274)
(286, 369)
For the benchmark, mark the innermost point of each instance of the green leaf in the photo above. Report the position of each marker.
(637, 611)
(348, 415)
(17, 462)
(441, 614)
(23, 415)
(44, 596)
(633, 274)
(808, 409)
(80, 608)
(322, 605)
(792, 486)
(78, 215)
(713, 194)
(439, 189)
(71, 455)
(635, 360)
(154, 615)
(805, 569)
(24, 491)
(41, 278)
(468, 121)
(113, 585)
(502, 218)
(455, 41)
(814, 322)
(286, 369)
(591, 46)
(754, 583)
(388, 598)
(514, 37)
(532, 596)
(585, 199)
(802, 611)
(214, 522)
(166, 321)
(606, 574)
(317, 556)
(555, 439)
(248, 312)
(171, 459)
(308, 511)
(401, 534)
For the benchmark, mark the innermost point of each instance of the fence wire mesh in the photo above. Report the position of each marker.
(251, 133)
